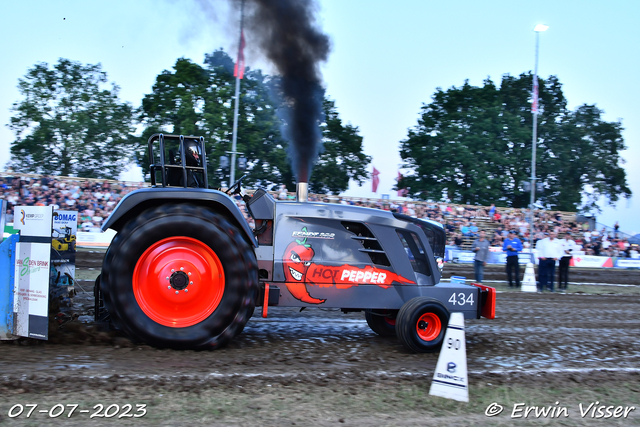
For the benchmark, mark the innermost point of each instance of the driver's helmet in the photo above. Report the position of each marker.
(192, 153)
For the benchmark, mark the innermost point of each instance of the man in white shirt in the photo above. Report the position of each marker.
(567, 246)
(549, 251)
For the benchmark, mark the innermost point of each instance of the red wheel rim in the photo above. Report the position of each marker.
(428, 326)
(178, 281)
(391, 321)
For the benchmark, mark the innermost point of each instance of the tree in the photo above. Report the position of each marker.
(69, 124)
(197, 100)
(474, 145)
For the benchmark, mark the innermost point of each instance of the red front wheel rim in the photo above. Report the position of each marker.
(428, 326)
(391, 321)
(178, 282)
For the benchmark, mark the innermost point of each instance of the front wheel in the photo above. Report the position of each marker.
(382, 322)
(421, 324)
(180, 276)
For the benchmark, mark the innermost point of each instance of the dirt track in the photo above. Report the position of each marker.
(320, 367)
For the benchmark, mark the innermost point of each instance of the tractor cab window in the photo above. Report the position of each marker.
(415, 251)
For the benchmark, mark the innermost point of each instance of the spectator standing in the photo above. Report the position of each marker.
(567, 246)
(549, 251)
(481, 247)
(616, 228)
(458, 241)
(492, 210)
(511, 246)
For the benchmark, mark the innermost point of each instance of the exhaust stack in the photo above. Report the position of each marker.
(302, 189)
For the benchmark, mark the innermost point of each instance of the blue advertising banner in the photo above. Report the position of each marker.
(453, 254)
(627, 263)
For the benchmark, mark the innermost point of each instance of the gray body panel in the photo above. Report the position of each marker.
(466, 297)
(342, 249)
(330, 262)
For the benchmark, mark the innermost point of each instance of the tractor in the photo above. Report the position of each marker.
(186, 271)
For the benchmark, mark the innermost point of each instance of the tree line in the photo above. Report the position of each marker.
(70, 122)
(474, 145)
(470, 145)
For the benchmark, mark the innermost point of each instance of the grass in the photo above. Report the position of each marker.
(310, 404)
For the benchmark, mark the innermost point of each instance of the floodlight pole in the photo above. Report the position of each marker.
(534, 109)
(234, 138)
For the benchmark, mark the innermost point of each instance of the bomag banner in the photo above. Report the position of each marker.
(63, 254)
(33, 260)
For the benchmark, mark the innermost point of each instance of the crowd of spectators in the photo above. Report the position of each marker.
(95, 200)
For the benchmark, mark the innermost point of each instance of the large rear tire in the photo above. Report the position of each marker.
(382, 322)
(421, 324)
(180, 276)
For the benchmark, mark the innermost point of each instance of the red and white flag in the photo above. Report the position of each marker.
(239, 69)
(534, 103)
(375, 180)
(401, 191)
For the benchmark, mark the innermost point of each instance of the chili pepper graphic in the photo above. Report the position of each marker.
(297, 259)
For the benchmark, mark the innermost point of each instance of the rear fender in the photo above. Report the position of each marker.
(136, 202)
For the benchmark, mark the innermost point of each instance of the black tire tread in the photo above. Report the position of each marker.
(378, 324)
(122, 250)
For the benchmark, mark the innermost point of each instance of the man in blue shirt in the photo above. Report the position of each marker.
(512, 245)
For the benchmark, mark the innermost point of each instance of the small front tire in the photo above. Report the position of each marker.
(421, 324)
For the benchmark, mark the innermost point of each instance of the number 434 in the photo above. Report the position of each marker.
(461, 299)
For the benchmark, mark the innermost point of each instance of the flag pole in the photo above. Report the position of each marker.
(234, 139)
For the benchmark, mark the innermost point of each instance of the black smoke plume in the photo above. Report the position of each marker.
(289, 37)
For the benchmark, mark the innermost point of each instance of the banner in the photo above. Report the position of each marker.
(63, 254)
(453, 254)
(31, 290)
(3, 210)
(33, 261)
(95, 240)
(591, 261)
(627, 263)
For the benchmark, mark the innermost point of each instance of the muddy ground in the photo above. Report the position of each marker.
(323, 367)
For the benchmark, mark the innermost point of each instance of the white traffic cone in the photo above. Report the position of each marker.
(450, 378)
(529, 281)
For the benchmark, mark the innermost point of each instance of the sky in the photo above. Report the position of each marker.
(387, 58)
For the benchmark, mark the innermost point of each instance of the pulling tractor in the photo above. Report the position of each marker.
(185, 270)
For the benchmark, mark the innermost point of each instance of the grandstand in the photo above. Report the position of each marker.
(94, 199)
